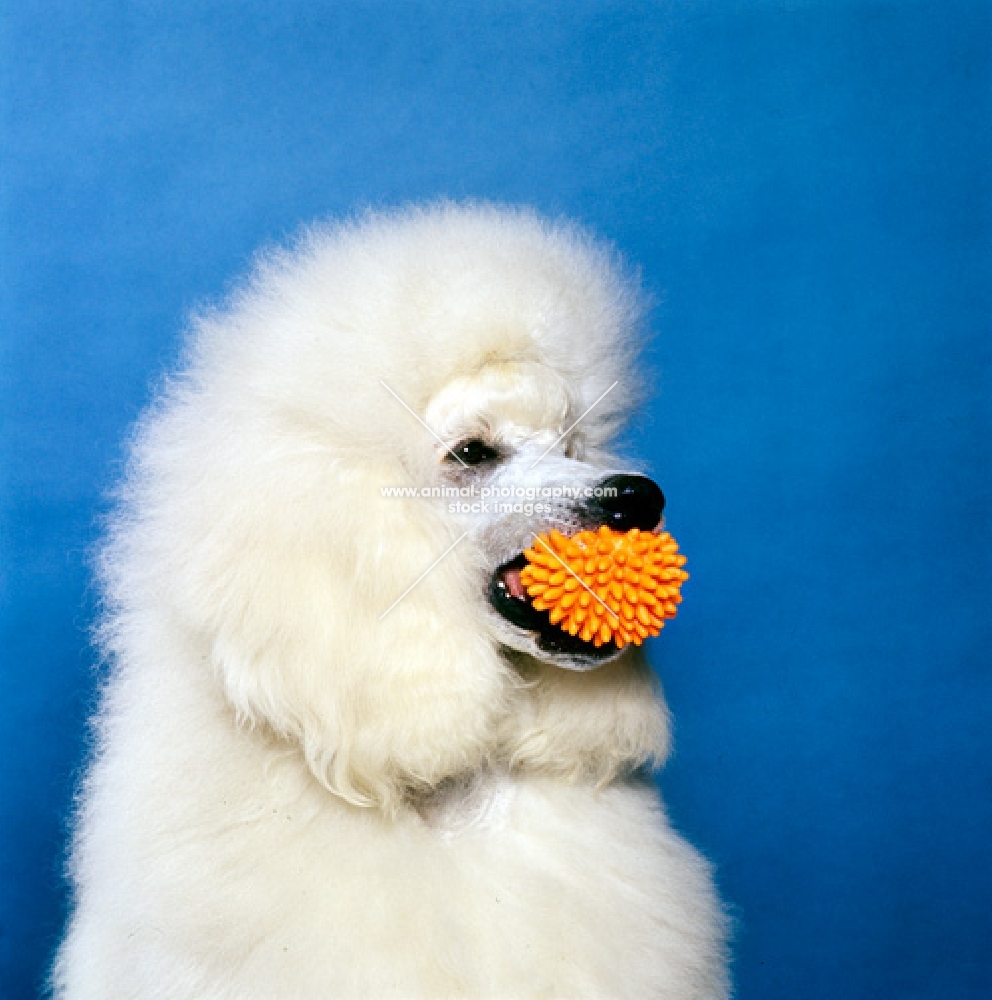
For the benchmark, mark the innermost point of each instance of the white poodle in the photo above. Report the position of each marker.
(339, 753)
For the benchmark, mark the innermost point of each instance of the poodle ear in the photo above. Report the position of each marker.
(295, 591)
(593, 725)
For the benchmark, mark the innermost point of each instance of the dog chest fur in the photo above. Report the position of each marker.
(510, 888)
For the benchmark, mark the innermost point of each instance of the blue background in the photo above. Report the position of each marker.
(807, 187)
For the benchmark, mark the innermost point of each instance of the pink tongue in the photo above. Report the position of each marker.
(512, 580)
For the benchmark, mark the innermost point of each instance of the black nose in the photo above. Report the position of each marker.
(629, 502)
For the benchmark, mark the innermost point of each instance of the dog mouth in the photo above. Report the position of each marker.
(508, 596)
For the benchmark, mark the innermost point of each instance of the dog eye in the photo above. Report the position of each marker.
(472, 452)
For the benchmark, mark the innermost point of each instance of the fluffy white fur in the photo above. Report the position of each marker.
(292, 798)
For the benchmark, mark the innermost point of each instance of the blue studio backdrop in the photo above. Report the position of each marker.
(807, 188)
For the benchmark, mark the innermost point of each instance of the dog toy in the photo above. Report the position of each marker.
(606, 584)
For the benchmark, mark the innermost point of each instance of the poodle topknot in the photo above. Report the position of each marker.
(340, 753)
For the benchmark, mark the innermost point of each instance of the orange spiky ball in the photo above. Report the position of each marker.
(605, 584)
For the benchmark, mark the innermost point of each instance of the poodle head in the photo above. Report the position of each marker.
(333, 497)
